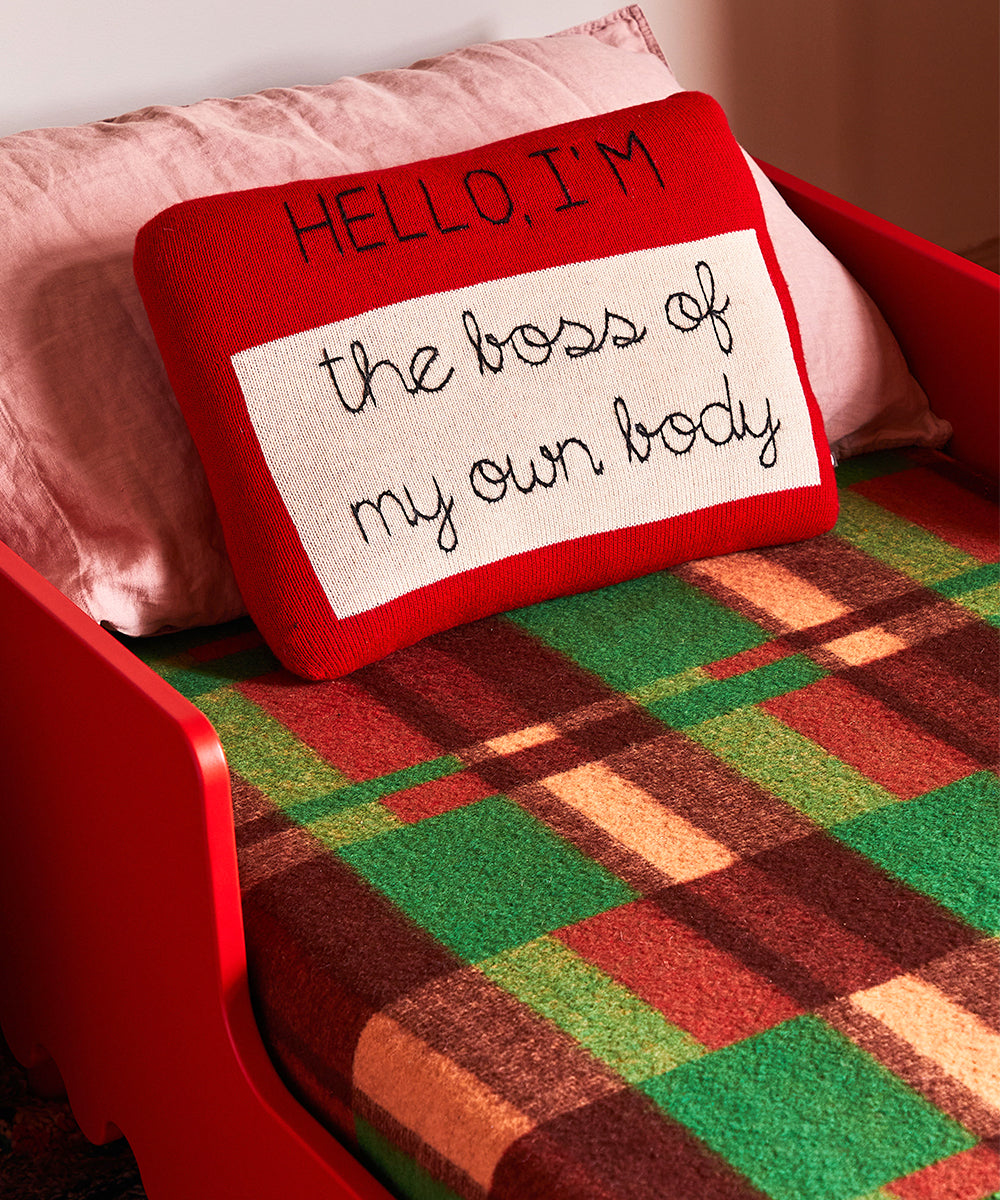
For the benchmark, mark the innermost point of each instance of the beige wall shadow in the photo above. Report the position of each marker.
(890, 103)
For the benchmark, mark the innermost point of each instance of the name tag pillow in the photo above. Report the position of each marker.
(434, 392)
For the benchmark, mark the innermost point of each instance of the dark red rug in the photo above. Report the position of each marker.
(43, 1154)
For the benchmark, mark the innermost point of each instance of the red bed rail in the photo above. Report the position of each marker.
(943, 309)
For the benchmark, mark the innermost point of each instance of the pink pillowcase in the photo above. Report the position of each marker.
(104, 492)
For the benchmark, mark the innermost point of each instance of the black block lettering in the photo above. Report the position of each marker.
(477, 197)
(547, 155)
(609, 152)
(326, 223)
(354, 219)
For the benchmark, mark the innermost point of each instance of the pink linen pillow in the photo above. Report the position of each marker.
(104, 492)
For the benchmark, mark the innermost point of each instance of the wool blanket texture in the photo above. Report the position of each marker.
(683, 888)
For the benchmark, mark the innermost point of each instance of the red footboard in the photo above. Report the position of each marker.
(120, 923)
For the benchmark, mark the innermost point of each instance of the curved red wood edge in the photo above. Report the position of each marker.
(943, 309)
(121, 936)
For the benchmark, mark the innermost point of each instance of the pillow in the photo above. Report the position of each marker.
(438, 391)
(104, 492)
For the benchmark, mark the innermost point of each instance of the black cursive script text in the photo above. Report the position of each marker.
(678, 431)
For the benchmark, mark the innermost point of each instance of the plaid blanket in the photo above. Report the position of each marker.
(680, 889)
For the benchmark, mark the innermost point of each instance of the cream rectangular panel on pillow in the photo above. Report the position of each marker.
(354, 538)
(103, 491)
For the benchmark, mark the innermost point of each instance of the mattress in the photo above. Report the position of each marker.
(685, 888)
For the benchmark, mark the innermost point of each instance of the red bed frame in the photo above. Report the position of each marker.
(121, 940)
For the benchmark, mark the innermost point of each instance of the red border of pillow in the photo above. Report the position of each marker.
(211, 290)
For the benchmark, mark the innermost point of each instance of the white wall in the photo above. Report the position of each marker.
(67, 61)
(891, 103)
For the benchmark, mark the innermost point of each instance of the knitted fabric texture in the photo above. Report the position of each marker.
(686, 887)
(427, 394)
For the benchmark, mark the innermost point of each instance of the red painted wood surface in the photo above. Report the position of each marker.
(943, 309)
(121, 935)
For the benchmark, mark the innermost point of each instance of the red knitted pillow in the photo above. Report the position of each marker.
(434, 392)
